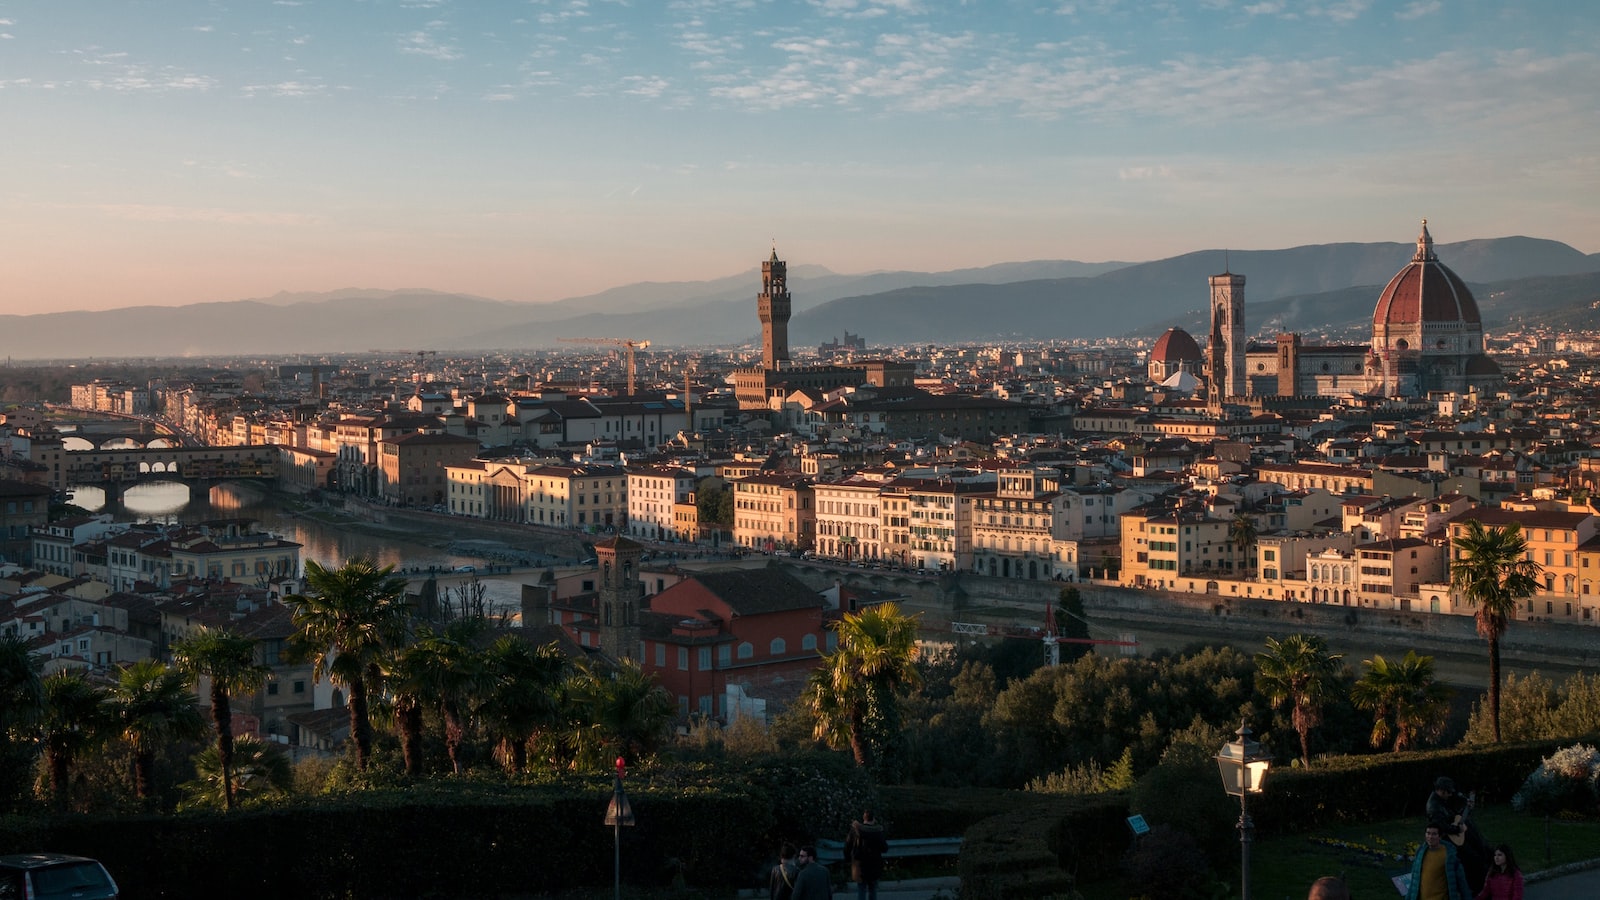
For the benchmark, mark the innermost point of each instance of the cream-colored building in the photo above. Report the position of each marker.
(849, 521)
(653, 494)
(774, 512)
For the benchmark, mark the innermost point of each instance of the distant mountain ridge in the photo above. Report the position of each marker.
(1044, 299)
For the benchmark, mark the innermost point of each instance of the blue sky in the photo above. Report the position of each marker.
(163, 152)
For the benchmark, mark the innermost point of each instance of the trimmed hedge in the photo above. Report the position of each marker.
(1355, 789)
(420, 844)
(1043, 849)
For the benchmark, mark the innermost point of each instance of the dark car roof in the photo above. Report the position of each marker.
(38, 860)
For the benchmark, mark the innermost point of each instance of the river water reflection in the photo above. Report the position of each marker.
(172, 502)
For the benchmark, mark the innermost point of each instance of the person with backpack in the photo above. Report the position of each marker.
(864, 849)
(780, 881)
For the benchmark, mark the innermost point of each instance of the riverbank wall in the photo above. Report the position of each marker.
(1244, 622)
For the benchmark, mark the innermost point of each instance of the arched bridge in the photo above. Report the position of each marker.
(139, 439)
(120, 467)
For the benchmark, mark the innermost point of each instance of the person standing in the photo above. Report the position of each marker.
(780, 881)
(1453, 814)
(1504, 881)
(1328, 887)
(812, 882)
(1437, 874)
(864, 849)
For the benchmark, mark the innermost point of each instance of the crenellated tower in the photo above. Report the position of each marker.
(773, 307)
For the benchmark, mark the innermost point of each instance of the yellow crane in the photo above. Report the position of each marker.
(630, 345)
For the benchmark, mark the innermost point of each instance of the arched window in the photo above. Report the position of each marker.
(778, 646)
(746, 650)
(809, 642)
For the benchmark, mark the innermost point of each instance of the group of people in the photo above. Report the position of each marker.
(1454, 862)
(799, 876)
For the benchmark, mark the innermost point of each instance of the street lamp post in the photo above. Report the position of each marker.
(618, 814)
(1244, 772)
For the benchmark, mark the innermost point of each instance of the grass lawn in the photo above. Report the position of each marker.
(1286, 866)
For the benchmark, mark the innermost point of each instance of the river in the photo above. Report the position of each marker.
(328, 537)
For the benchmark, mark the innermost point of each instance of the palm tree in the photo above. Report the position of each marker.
(259, 769)
(852, 693)
(1242, 535)
(21, 704)
(620, 711)
(524, 696)
(445, 669)
(229, 660)
(1299, 671)
(152, 706)
(1493, 571)
(74, 721)
(1406, 701)
(348, 619)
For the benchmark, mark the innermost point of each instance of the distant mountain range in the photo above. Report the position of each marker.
(1324, 289)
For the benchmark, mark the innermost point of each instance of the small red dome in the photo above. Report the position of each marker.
(1176, 346)
(1426, 291)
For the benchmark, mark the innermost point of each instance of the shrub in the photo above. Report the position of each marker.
(1565, 782)
(1168, 863)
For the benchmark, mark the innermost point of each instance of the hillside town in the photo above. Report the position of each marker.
(1268, 468)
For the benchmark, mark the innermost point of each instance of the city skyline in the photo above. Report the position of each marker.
(185, 152)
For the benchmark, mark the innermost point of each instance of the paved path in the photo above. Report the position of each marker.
(1581, 883)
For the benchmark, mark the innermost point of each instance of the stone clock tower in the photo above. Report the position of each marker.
(773, 307)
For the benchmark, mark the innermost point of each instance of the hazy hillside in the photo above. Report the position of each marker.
(1303, 288)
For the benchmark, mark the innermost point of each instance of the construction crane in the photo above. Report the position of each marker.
(614, 342)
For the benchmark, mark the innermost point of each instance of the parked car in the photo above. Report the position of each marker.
(54, 876)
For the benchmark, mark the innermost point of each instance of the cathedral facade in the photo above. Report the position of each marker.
(1427, 336)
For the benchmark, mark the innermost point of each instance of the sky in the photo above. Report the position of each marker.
(162, 152)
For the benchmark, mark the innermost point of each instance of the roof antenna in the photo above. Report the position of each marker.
(1225, 269)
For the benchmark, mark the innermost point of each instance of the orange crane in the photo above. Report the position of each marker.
(614, 342)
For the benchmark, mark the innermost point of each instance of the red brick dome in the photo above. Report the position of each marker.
(1426, 292)
(1175, 346)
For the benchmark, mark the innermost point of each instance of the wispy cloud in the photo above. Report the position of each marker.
(425, 43)
(1418, 9)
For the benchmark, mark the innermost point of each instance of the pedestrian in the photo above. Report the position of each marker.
(1452, 812)
(864, 848)
(1504, 881)
(1329, 887)
(1436, 874)
(780, 881)
(812, 882)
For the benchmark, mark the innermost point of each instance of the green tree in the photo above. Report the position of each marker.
(228, 661)
(75, 721)
(152, 706)
(258, 770)
(853, 692)
(524, 701)
(1407, 702)
(1071, 623)
(620, 711)
(1493, 572)
(346, 622)
(21, 705)
(1300, 672)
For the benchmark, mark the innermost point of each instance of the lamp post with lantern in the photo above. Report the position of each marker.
(1244, 772)
(618, 814)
